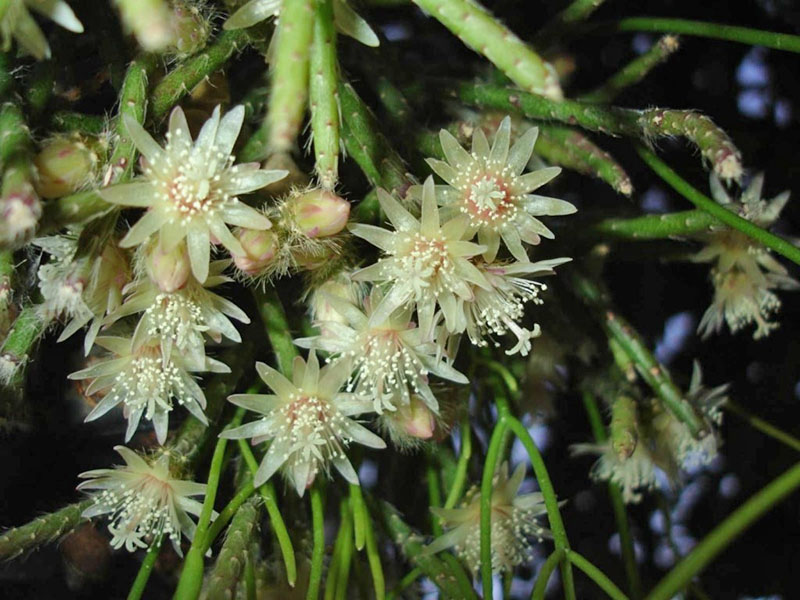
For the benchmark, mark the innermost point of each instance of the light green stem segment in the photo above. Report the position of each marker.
(361, 513)
(460, 479)
(479, 30)
(617, 503)
(27, 328)
(16, 165)
(655, 227)
(540, 587)
(143, 576)
(713, 143)
(132, 102)
(318, 550)
(179, 82)
(226, 575)
(277, 328)
(763, 426)
(287, 100)
(493, 458)
(572, 149)
(267, 493)
(577, 10)
(42, 530)
(596, 575)
(634, 71)
(623, 428)
(229, 512)
(339, 569)
(724, 534)
(744, 35)
(324, 96)
(706, 204)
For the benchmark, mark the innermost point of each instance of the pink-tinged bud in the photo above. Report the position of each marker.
(190, 27)
(169, 270)
(319, 213)
(259, 246)
(64, 166)
(20, 212)
(415, 419)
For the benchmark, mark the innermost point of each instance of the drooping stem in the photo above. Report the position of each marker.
(179, 82)
(143, 576)
(460, 479)
(324, 96)
(722, 536)
(596, 575)
(543, 576)
(743, 35)
(373, 556)
(42, 530)
(493, 457)
(479, 30)
(289, 76)
(634, 71)
(713, 143)
(229, 512)
(706, 204)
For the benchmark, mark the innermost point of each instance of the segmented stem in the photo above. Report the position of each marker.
(324, 95)
(226, 575)
(18, 174)
(42, 530)
(480, 31)
(289, 76)
(654, 227)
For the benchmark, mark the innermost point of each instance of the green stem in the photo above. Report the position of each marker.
(323, 94)
(277, 328)
(540, 587)
(434, 495)
(359, 517)
(706, 204)
(406, 582)
(646, 125)
(318, 551)
(267, 492)
(343, 578)
(374, 560)
(573, 150)
(229, 512)
(289, 75)
(341, 545)
(596, 575)
(226, 575)
(460, 479)
(762, 425)
(634, 71)
(64, 120)
(576, 11)
(184, 78)
(618, 505)
(743, 35)
(654, 227)
(18, 345)
(42, 530)
(143, 576)
(481, 32)
(493, 458)
(724, 534)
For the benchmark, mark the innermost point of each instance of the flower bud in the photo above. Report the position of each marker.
(190, 27)
(259, 246)
(415, 419)
(169, 270)
(340, 286)
(19, 214)
(64, 165)
(150, 21)
(319, 213)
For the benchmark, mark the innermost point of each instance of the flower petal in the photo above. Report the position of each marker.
(499, 153)
(521, 151)
(143, 141)
(140, 193)
(199, 247)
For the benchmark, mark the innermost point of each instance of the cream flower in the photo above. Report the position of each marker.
(424, 264)
(499, 309)
(344, 17)
(308, 421)
(143, 501)
(16, 21)
(633, 475)
(744, 272)
(391, 359)
(190, 188)
(146, 383)
(487, 185)
(513, 524)
(180, 318)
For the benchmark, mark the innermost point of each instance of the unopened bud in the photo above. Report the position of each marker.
(259, 247)
(319, 213)
(339, 287)
(169, 270)
(20, 212)
(64, 166)
(190, 28)
(150, 21)
(415, 419)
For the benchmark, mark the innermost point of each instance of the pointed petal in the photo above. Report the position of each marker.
(143, 141)
(199, 247)
(147, 225)
(535, 179)
(277, 382)
(480, 145)
(140, 193)
(229, 129)
(453, 152)
(350, 23)
(253, 12)
(430, 211)
(521, 151)
(398, 216)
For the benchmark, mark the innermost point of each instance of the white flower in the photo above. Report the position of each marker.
(344, 17)
(17, 22)
(146, 383)
(498, 309)
(513, 523)
(424, 263)
(487, 185)
(390, 359)
(143, 501)
(633, 475)
(308, 421)
(190, 188)
(744, 272)
(180, 318)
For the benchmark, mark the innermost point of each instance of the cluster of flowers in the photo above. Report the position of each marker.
(148, 301)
